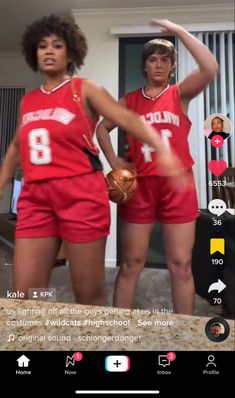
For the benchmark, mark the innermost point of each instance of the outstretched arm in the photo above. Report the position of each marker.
(104, 104)
(199, 79)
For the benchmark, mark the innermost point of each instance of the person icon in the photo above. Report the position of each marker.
(211, 359)
(35, 295)
(218, 126)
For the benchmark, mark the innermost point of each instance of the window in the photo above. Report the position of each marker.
(217, 98)
(9, 103)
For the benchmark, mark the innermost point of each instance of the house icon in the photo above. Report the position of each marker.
(23, 361)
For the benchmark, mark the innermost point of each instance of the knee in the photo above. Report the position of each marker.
(95, 298)
(90, 295)
(132, 266)
(180, 268)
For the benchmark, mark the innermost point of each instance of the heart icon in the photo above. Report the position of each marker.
(217, 167)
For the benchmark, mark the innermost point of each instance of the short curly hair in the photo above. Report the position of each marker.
(160, 46)
(62, 26)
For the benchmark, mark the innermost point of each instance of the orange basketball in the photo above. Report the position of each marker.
(122, 184)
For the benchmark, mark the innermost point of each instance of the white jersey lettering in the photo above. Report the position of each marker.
(162, 117)
(60, 115)
(40, 150)
(147, 149)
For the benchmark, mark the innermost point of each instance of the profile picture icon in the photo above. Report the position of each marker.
(217, 329)
(219, 125)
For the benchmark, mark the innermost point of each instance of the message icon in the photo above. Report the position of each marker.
(163, 360)
(217, 206)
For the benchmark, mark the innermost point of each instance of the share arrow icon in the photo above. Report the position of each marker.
(219, 286)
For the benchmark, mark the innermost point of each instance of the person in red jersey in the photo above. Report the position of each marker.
(64, 196)
(165, 108)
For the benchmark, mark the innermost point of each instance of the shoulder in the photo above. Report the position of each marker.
(29, 96)
(78, 80)
(84, 88)
(76, 84)
(224, 135)
(211, 135)
(133, 93)
(85, 83)
(133, 97)
(89, 86)
(32, 93)
(174, 90)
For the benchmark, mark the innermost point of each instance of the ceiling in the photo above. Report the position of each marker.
(16, 14)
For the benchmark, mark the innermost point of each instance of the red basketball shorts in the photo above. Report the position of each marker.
(157, 200)
(76, 209)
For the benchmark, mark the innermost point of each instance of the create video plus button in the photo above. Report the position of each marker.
(117, 363)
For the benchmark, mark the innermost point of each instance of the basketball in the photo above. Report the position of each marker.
(122, 185)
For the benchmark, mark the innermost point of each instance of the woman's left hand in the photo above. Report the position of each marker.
(165, 25)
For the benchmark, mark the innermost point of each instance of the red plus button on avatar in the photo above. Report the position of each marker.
(217, 141)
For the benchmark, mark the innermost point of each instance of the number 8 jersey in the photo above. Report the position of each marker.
(164, 113)
(55, 134)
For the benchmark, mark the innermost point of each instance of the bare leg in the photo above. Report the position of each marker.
(179, 241)
(33, 262)
(134, 246)
(87, 270)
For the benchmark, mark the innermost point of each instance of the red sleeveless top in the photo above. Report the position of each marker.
(165, 114)
(55, 134)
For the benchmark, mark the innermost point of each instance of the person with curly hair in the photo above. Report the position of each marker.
(164, 107)
(64, 195)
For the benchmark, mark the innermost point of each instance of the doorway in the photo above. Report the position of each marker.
(130, 78)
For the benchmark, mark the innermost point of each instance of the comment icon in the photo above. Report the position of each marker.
(217, 207)
(163, 360)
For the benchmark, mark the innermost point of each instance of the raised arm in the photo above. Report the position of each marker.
(199, 79)
(117, 115)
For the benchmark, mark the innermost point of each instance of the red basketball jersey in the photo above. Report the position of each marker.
(55, 134)
(165, 114)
